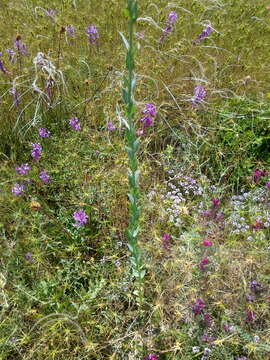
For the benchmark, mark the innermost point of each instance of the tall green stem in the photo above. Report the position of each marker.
(132, 148)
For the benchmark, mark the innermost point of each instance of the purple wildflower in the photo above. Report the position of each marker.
(111, 126)
(23, 169)
(172, 17)
(170, 22)
(36, 151)
(2, 66)
(205, 33)
(151, 357)
(242, 358)
(17, 189)
(205, 261)
(92, 33)
(166, 239)
(44, 176)
(147, 121)
(199, 95)
(70, 30)
(44, 133)
(249, 298)
(258, 174)
(20, 46)
(250, 316)
(207, 338)
(198, 306)
(80, 217)
(150, 111)
(207, 242)
(11, 55)
(16, 97)
(268, 185)
(255, 287)
(74, 123)
(215, 203)
(50, 13)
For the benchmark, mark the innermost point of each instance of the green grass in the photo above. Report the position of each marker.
(73, 298)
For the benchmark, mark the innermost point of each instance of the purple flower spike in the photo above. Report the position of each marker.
(199, 95)
(44, 176)
(23, 169)
(198, 306)
(20, 46)
(44, 133)
(74, 123)
(205, 33)
(36, 151)
(2, 66)
(16, 97)
(172, 17)
(150, 109)
(80, 217)
(17, 189)
(92, 33)
(70, 30)
(11, 55)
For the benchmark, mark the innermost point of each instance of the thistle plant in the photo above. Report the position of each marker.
(132, 148)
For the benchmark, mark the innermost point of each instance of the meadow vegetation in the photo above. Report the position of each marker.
(68, 289)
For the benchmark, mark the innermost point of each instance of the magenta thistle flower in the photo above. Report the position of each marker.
(36, 151)
(215, 203)
(44, 133)
(44, 176)
(207, 242)
(80, 217)
(111, 126)
(205, 261)
(92, 33)
(17, 189)
(151, 357)
(199, 95)
(198, 306)
(205, 33)
(23, 169)
(74, 123)
(258, 174)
